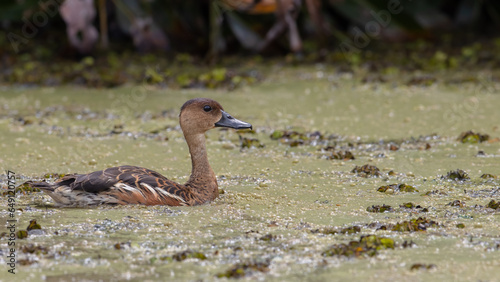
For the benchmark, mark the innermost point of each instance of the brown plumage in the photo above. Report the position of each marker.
(137, 185)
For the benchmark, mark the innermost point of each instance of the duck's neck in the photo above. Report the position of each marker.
(202, 176)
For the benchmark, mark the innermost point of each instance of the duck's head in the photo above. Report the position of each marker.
(201, 114)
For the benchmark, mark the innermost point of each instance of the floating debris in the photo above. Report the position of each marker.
(397, 188)
(268, 238)
(250, 142)
(420, 266)
(295, 138)
(380, 209)
(488, 176)
(493, 205)
(22, 234)
(189, 254)
(407, 244)
(368, 245)
(457, 175)
(367, 171)
(34, 249)
(435, 192)
(347, 230)
(243, 269)
(341, 155)
(411, 205)
(33, 225)
(456, 203)
(419, 224)
(24, 189)
(472, 138)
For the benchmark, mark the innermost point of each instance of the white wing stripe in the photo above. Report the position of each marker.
(169, 194)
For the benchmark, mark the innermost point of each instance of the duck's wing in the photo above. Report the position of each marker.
(122, 185)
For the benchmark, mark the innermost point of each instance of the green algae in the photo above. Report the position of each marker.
(279, 191)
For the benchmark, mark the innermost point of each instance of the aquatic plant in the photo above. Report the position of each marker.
(367, 171)
(368, 245)
(379, 209)
(397, 188)
(472, 138)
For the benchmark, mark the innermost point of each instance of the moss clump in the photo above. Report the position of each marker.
(379, 209)
(243, 269)
(366, 246)
(457, 175)
(367, 171)
(188, 254)
(419, 224)
(398, 188)
(341, 155)
(472, 138)
(493, 205)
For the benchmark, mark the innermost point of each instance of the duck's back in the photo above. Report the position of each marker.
(116, 185)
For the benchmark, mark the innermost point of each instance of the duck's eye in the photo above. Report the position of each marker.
(207, 108)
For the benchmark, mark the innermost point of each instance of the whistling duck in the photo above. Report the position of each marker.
(137, 185)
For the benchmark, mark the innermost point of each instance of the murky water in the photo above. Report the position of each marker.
(278, 199)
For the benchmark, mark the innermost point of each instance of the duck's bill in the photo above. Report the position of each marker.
(228, 121)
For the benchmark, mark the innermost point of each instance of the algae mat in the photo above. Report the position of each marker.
(295, 205)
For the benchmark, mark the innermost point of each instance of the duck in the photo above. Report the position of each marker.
(129, 185)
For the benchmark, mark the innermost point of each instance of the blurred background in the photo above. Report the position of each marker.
(106, 43)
